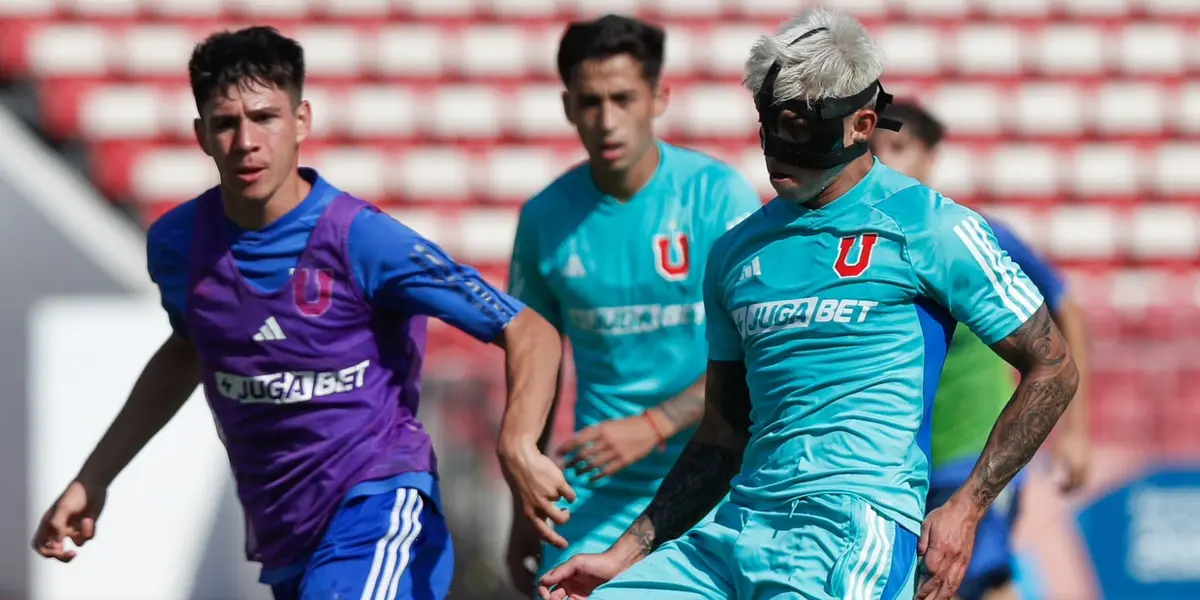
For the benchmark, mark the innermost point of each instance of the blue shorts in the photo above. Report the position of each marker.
(993, 560)
(386, 546)
(822, 547)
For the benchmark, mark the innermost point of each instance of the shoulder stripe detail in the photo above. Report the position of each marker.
(999, 272)
(1029, 297)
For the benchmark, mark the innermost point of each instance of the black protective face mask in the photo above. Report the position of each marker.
(823, 120)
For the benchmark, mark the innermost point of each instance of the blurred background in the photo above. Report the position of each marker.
(1076, 122)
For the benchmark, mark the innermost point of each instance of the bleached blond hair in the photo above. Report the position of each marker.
(840, 61)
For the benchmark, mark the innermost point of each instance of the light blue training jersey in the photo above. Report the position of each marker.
(623, 281)
(843, 316)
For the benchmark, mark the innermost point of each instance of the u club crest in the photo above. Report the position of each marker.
(312, 291)
(860, 246)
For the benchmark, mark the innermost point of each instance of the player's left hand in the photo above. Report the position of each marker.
(947, 539)
(1071, 457)
(610, 446)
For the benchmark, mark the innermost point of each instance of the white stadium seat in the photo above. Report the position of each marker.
(375, 111)
(537, 111)
(911, 50)
(1152, 49)
(332, 51)
(410, 50)
(956, 170)
(969, 108)
(1175, 169)
(358, 170)
(438, 8)
(27, 8)
(432, 174)
(728, 46)
(183, 8)
(1026, 224)
(682, 52)
(1188, 106)
(322, 100)
(591, 8)
(1096, 8)
(687, 8)
(1024, 170)
(1164, 232)
(754, 167)
(521, 9)
(989, 49)
(178, 113)
(120, 111)
(1171, 8)
(953, 9)
(1070, 49)
(352, 9)
(268, 8)
(100, 8)
(858, 8)
(1106, 170)
(70, 50)
(465, 111)
(1084, 232)
(714, 110)
(172, 174)
(156, 50)
(516, 173)
(490, 51)
(1017, 8)
(487, 235)
(1048, 109)
(1129, 108)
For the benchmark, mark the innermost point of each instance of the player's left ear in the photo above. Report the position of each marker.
(662, 99)
(861, 126)
(201, 133)
(304, 118)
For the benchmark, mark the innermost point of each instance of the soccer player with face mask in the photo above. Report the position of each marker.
(613, 253)
(302, 312)
(976, 384)
(829, 314)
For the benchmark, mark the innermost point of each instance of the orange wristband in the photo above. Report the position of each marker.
(662, 439)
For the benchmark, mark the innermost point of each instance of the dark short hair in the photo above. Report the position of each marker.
(609, 36)
(254, 55)
(918, 122)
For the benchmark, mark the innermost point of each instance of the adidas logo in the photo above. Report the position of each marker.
(574, 267)
(269, 332)
(754, 269)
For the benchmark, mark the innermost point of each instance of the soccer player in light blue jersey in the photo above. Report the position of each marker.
(613, 254)
(829, 313)
(976, 384)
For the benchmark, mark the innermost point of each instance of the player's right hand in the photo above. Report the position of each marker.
(579, 576)
(72, 516)
(537, 484)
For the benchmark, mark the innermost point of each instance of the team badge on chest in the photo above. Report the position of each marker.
(672, 256)
(859, 247)
(312, 291)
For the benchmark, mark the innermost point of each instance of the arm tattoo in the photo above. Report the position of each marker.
(1048, 382)
(683, 410)
(701, 475)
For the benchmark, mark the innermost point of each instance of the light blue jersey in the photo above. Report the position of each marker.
(623, 281)
(843, 316)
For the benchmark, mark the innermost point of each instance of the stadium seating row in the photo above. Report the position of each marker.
(1026, 173)
(100, 111)
(557, 8)
(396, 50)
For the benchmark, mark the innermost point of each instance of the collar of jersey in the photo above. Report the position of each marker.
(608, 202)
(852, 198)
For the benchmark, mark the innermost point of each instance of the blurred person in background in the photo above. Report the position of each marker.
(829, 313)
(302, 310)
(976, 383)
(613, 253)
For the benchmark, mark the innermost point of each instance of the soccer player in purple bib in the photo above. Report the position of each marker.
(302, 311)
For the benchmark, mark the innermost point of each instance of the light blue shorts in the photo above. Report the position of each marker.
(822, 547)
(598, 518)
